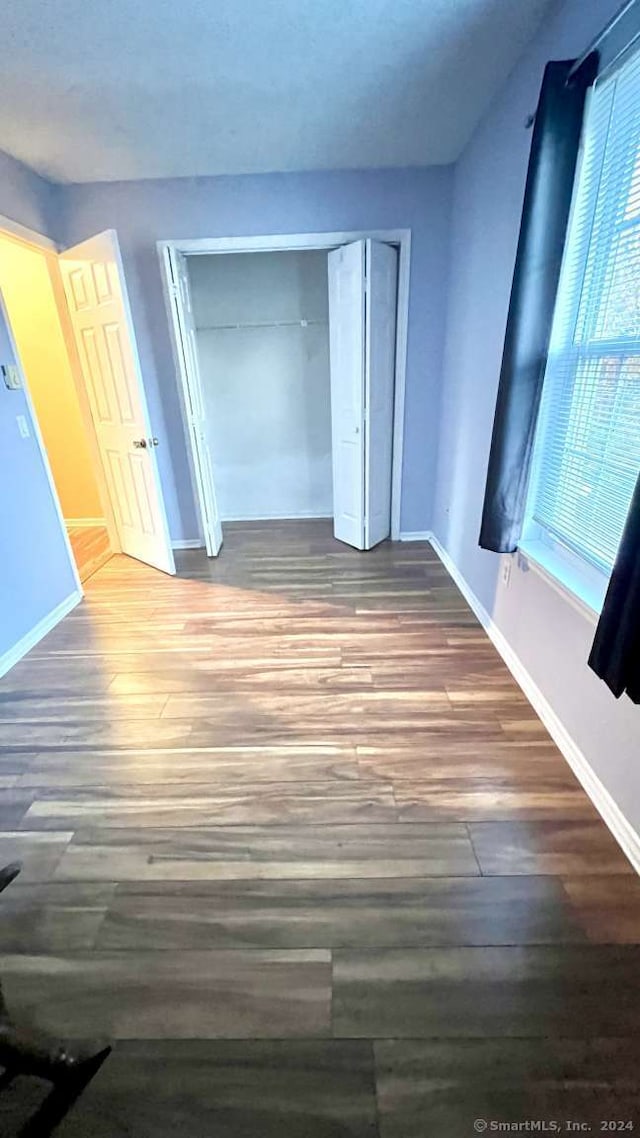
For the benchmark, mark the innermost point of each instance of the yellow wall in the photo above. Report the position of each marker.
(28, 294)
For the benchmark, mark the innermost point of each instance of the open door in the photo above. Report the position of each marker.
(181, 311)
(101, 320)
(362, 330)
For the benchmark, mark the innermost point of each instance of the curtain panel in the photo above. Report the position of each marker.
(547, 200)
(615, 655)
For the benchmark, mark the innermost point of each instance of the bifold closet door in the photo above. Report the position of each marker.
(362, 335)
(346, 354)
(381, 301)
(101, 320)
(189, 365)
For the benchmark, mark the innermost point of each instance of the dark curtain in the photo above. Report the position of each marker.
(615, 655)
(554, 150)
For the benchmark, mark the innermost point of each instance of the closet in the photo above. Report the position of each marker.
(287, 360)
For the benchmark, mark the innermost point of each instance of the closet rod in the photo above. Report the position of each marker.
(261, 324)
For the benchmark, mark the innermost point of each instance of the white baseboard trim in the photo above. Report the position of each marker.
(188, 543)
(627, 838)
(84, 523)
(416, 535)
(323, 515)
(11, 657)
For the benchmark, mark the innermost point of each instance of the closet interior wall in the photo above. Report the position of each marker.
(262, 337)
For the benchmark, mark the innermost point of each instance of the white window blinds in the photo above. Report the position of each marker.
(587, 446)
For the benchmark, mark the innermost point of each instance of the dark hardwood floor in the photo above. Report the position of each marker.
(296, 842)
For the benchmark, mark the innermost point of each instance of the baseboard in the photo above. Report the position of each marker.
(197, 543)
(301, 516)
(36, 634)
(188, 543)
(85, 523)
(627, 838)
(415, 535)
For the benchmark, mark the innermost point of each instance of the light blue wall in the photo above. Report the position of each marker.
(145, 212)
(36, 572)
(26, 198)
(549, 635)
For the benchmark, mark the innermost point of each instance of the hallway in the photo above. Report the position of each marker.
(90, 547)
(295, 840)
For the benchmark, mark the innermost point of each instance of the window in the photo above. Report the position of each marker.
(587, 447)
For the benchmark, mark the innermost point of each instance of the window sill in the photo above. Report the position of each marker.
(580, 589)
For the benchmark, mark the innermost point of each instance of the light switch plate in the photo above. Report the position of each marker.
(11, 376)
(23, 426)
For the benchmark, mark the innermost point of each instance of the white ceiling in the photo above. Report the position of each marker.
(97, 90)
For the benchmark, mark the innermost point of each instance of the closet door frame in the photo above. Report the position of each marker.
(188, 381)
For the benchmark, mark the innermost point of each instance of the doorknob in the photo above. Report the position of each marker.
(140, 443)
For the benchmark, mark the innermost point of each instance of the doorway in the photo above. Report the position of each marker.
(28, 287)
(70, 323)
(291, 354)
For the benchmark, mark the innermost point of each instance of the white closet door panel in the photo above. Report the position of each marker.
(196, 411)
(380, 360)
(347, 359)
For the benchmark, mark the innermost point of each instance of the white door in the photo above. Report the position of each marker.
(362, 329)
(380, 366)
(185, 336)
(101, 320)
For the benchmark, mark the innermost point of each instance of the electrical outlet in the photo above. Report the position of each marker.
(23, 426)
(506, 571)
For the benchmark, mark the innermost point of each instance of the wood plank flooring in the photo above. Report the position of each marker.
(91, 548)
(296, 842)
